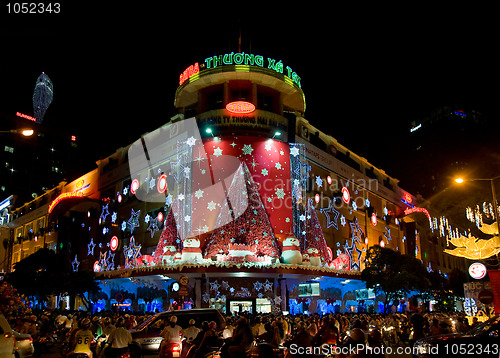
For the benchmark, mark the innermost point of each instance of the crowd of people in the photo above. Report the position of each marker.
(80, 328)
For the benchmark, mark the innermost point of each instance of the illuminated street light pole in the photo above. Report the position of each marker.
(493, 194)
(24, 132)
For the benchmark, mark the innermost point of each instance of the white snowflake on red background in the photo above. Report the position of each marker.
(280, 193)
(247, 149)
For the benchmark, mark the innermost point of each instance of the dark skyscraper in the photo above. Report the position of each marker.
(42, 96)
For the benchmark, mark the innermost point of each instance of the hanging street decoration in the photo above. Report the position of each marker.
(473, 248)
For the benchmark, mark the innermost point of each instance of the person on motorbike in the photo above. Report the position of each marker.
(240, 341)
(327, 333)
(96, 327)
(119, 340)
(172, 333)
(191, 332)
(82, 339)
(210, 339)
(300, 338)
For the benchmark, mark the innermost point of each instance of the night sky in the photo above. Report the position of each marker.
(366, 72)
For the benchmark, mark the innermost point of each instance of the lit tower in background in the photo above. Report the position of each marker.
(42, 96)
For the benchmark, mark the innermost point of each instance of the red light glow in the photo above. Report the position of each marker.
(25, 116)
(240, 107)
(346, 196)
(188, 72)
(162, 184)
(134, 186)
(113, 243)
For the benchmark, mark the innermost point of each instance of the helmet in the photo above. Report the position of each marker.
(173, 319)
(85, 324)
(357, 334)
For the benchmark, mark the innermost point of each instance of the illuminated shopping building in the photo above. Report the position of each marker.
(238, 203)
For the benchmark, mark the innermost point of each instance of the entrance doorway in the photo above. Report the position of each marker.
(237, 307)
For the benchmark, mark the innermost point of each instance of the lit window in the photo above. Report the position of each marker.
(8, 149)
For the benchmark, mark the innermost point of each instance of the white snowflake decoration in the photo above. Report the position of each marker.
(294, 151)
(198, 194)
(319, 182)
(280, 193)
(247, 149)
(217, 152)
(214, 286)
(211, 205)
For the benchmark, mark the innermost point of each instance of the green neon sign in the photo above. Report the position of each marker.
(241, 58)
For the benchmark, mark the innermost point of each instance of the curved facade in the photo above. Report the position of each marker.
(238, 199)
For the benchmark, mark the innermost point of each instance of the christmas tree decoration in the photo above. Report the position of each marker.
(169, 242)
(253, 225)
(311, 235)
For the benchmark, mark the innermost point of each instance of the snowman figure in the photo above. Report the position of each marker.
(291, 251)
(314, 256)
(191, 251)
(168, 254)
(305, 258)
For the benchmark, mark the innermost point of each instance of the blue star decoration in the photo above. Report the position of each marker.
(91, 247)
(387, 234)
(134, 220)
(353, 251)
(356, 231)
(153, 226)
(329, 212)
(354, 254)
(111, 260)
(131, 253)
(105, 212)
(75, 263)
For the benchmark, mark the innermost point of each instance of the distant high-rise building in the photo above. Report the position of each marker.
(42, 96)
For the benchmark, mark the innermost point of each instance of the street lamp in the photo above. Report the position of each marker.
(493, 192)
(25, 132)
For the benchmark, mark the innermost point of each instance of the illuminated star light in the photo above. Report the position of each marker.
(134, 219)
(350, 250)
(75, 263)
(153, 226)
(104, 212)
(91, 247)
(328, 212)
